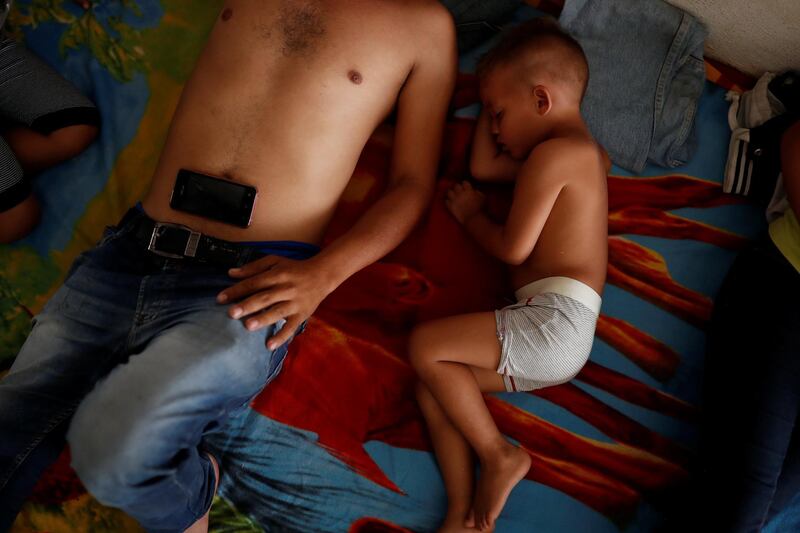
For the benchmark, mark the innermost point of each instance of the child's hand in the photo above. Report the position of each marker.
(464, 201)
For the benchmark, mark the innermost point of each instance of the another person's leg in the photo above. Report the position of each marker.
(37, 151)
(451, 356)
(47, 121)
(752, 389)
(136, 438)
(788, 487)
(19, 209)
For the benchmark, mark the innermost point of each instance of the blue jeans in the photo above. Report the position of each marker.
(134, 361)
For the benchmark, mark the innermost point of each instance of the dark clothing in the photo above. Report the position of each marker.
(751, 445)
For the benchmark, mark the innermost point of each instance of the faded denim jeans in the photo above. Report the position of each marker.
(133, 360)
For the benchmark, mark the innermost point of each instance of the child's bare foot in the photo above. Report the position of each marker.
(470, 521)
(499, 474)
(201, 526)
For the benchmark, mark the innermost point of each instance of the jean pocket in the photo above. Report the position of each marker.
(276, 361)
(279, 355)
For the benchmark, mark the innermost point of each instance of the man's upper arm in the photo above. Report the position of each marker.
(424, 100)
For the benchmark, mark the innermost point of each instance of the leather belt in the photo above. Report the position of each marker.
(176, 241)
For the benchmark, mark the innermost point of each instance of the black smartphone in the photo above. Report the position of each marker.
(214, 198)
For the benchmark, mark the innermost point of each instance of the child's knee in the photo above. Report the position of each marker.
(418, 345)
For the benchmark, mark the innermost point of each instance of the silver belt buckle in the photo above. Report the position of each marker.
(191, 243)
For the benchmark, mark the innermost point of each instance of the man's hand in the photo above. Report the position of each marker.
(464, 201)
(273, 288)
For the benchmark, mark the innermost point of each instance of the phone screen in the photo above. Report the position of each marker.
(213, 198)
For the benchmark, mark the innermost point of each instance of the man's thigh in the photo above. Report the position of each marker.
(186, 380)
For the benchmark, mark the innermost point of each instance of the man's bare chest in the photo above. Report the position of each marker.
(315, 36)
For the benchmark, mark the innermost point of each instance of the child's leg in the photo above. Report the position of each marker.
(19, 209)
(46, 121)
(453, 452)
(19, 220)
(451, 356)
(454, 457)
(24, 152)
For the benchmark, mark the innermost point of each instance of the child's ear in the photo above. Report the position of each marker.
(542, 100)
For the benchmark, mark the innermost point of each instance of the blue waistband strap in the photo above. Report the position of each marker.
(288, 249)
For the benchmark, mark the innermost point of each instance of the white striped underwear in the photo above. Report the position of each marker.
(547, 335)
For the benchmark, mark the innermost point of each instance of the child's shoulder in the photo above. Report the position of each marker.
(561, 155)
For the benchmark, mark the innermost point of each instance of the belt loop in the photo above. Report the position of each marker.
(130, 216)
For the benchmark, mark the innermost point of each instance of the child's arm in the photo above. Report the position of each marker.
(538, 185)
(487, 162)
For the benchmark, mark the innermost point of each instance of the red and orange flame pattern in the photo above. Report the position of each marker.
(347, 378)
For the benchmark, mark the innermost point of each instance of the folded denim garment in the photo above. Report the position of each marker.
(646, 75)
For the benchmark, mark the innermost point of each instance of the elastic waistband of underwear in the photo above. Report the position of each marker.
(569, 287)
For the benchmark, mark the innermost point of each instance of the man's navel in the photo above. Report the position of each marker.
(227, 13)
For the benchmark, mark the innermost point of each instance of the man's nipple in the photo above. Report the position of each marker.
(227, 14)
(355, 76)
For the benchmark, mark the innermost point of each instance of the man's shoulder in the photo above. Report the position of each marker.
(430, 24)
(429, 13)
(429, 36)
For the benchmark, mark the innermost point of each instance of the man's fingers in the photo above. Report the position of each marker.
(262, 264)
(250, 285)
(268, 317)
(259, 301)
(286, 332)
(240, 290)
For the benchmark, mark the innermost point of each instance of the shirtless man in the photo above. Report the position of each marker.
(555, 237)
(139, 354)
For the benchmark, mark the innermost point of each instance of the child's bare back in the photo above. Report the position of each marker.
(573, 241)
